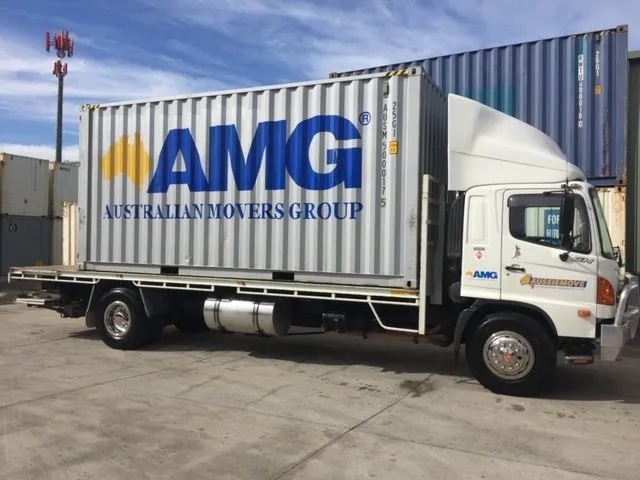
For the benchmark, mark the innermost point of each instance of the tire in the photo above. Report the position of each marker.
(529, 374)
(122, 322)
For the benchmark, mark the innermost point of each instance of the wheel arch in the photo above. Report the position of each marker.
(142, 328)
(471, 317)
(97, 292)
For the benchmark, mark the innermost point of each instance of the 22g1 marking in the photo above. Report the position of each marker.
(385, 151)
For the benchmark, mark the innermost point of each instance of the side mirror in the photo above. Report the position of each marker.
(567, 213)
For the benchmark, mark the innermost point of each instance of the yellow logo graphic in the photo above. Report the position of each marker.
(551, 282)
(132, 159)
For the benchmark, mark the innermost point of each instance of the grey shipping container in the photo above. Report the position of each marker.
(24, 186)
(633, 151)
(573, 87)
(321, 180)
(24, 241)
(63, 186)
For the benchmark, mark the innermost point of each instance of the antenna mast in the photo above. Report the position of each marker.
(63, 45)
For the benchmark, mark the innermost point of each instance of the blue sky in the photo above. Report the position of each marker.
(148, 48)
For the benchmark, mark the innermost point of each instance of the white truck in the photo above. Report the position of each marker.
(372, 204)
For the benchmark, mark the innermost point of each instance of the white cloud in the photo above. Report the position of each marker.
(301, 39)
(316, 38)
(29, 89)
(46, 152)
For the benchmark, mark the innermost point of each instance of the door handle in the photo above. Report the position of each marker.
(514, 268)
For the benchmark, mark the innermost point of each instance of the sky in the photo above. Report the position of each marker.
(137, 49)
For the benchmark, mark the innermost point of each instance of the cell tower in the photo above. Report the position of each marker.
(63, 46)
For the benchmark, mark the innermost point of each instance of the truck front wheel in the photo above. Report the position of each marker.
(121, 320)
(512, 354)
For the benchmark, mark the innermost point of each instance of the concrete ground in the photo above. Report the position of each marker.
(221, 406)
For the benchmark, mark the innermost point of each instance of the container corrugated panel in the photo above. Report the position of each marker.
(64, 186)
(24, 186)
(24, 241)
(319, 179)
(632, 258)
(63, 236)
(613, 202)
(69, 233)
(572, 87)
(56, 241)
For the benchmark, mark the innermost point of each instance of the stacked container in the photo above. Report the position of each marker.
(572, 87)
(25, 226)
(63, 190)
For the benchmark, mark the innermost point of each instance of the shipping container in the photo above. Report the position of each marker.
(63, 186)
(571, 87)
(56, 241)
(613, 200)
(24, 241)
(181, 185)
(24, 186)
(633, 160)
(63, 236)
(69, 233)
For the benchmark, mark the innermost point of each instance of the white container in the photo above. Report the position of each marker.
(613, 201)
(63, 187)
(69, 233)
(63, 236)
(334, 195)
(24, 186)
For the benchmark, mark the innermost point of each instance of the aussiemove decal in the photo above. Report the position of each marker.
(516, 254)
(281, 157)
(483, 274)
(529, 280)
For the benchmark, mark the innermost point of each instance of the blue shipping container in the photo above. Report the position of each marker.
(574, 88)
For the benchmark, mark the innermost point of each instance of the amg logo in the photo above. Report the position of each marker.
(483, 274)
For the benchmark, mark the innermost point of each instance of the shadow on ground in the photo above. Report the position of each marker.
(619, 382)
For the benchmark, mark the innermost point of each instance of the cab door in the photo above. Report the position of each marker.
(537, 270)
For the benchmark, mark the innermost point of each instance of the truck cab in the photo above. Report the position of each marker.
(535, 256)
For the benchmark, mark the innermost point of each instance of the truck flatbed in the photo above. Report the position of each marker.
(351, 293)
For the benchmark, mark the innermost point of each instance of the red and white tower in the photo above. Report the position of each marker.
(63, 46)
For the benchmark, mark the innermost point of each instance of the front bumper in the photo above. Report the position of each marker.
(614, 337)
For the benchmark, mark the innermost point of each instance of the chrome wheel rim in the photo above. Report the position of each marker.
(117, 319)
(508, 355)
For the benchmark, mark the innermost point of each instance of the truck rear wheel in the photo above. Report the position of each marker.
(122, 322)
(512, 354)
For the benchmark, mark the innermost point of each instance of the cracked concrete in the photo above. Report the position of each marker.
(306, 407)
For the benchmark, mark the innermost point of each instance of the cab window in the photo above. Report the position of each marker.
(535, 218)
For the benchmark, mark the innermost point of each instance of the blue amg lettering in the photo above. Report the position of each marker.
(270, 145)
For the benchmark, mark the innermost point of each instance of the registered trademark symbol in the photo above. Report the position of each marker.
(365, 118)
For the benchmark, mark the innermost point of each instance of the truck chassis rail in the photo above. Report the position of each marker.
(350, 293)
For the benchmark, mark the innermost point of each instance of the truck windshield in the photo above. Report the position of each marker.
(603, 230)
